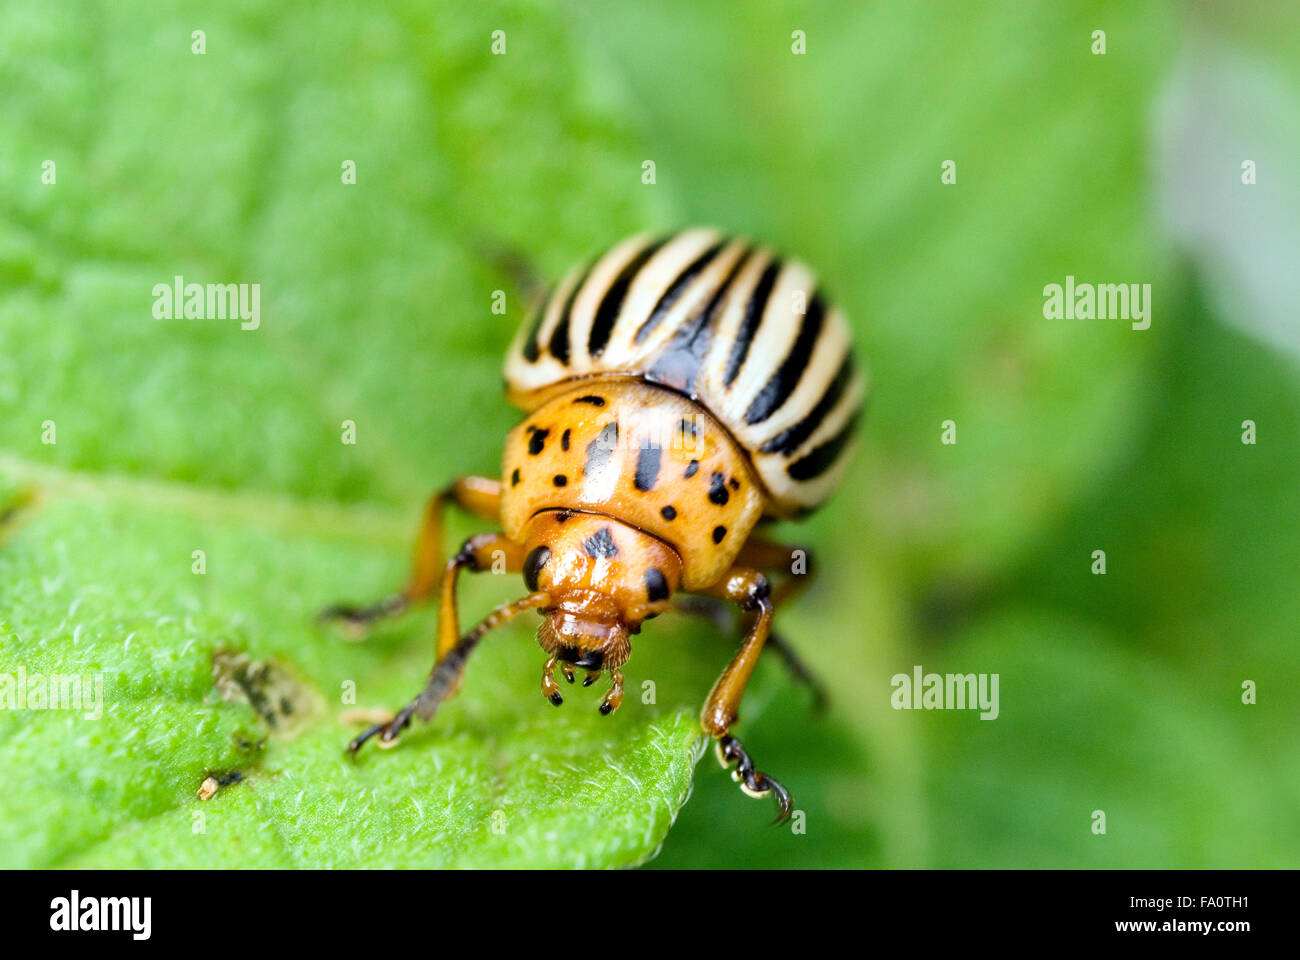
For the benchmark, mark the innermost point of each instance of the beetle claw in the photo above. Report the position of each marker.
(754, 783)
(387, 732)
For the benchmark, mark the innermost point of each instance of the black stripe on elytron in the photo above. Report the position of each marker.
(602, 325)
(647, 467)
(601, 449)
(680, 359)
(532, 349)
(675, 291)
(819, 459)
(592, 399)
(559, 345)
(788, 441)
(777, 390)
(749, 323)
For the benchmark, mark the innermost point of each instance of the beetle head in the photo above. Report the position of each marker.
(585, 631)
(600, 575)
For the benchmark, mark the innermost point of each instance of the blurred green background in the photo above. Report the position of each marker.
(1119, 693)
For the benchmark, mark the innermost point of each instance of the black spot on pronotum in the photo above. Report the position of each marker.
(735, 484)
(669, 512)
(601, 449)
(691, 469)
(533, 564)
(647, 468)
(564, 440)
(592, 399)
(562, 515)
(600, 544)
(559, 480)
(718, 533)
(514, 477)
(718, 489)
(656, 585)
(536, 440)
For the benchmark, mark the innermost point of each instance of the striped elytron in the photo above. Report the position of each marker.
(679, 390)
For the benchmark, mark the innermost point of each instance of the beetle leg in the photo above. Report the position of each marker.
(713, 610)
(795, 565)
(477, 495)
(476, 554)
(446, 674)
(751, 590)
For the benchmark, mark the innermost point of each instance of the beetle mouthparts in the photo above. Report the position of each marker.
(586, 659)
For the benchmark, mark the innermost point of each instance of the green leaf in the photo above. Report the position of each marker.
(99, 583)
(1122, 692)
(176, 436)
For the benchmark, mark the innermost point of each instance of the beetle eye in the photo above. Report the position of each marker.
(533, 564)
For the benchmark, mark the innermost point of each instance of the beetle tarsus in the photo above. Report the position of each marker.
(362, 617)
(753, 783)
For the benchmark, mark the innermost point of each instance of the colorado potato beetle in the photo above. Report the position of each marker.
(679, 390)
